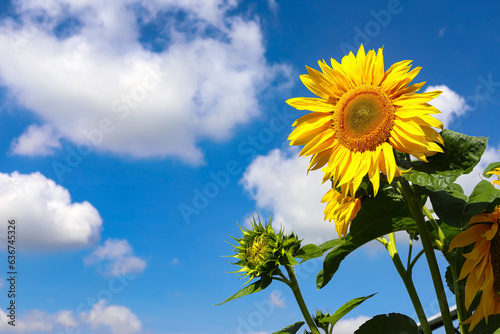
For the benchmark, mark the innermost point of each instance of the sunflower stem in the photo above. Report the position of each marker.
(410, 249)
(408, 282)
(414, 203)
(460, 296)
(294, 285)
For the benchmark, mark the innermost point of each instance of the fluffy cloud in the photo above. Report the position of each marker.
(45, 216)
(102, 318)
(449, 103)
(118, 258)
(118, 319)
(37, 140)
(86, 70)
(279, 183)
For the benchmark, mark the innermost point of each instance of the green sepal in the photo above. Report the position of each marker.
(288, 260)
(461, 154)
(343, 310)
(378, 216)
(292, 329)
(260, 285)
(392, 323)
(490, 167)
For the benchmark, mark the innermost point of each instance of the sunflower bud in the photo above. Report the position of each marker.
(261, 250)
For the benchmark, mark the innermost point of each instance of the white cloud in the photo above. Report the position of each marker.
(114, 319)
(99, 84)
(65, 318)
(349, 326)
(45, 216)
(279, 183)
(450, 104)
(469, 181)
(36, 141)
(119, 319)
(118, 258)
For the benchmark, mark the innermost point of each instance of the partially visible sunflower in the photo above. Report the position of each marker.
(361, 115)
(496, 171)
(482, 267)
(341, 209)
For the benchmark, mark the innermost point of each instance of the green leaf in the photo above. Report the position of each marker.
(308, 252)
(456, 210)
(493, 326)
(330, 244)
(394, 323)
(249, 289)
(491, 167)
(449, 205)
(344, 309)
(353, 241)
(483, 195)
(461, 154)
(292, 329)
(378, 216)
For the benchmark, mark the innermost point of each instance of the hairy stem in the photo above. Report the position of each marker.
(408, 282)
(294, 285)
(414, 203)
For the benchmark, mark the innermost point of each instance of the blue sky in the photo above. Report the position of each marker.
(135, 134)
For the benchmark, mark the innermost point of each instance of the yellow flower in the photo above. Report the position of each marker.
(361, 115)
(482, 267)
(496, 171)
(341, 209)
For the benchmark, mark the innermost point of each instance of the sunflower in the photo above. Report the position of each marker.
(342, 209)
(496, 171)
(361, 115)
(261, 250)
(482, 267)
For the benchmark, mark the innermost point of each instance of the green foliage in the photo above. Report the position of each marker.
(326, 246)
(456, 209)
(393, 323)
(449, 204)
(308, 252)
(292, 329)
(343, 310)
(249, 289)
(461, 154)
(378, 216)
(483, 196)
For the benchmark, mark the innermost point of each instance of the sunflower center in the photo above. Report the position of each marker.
(256, 251)
(495, 261)
(364, 118)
